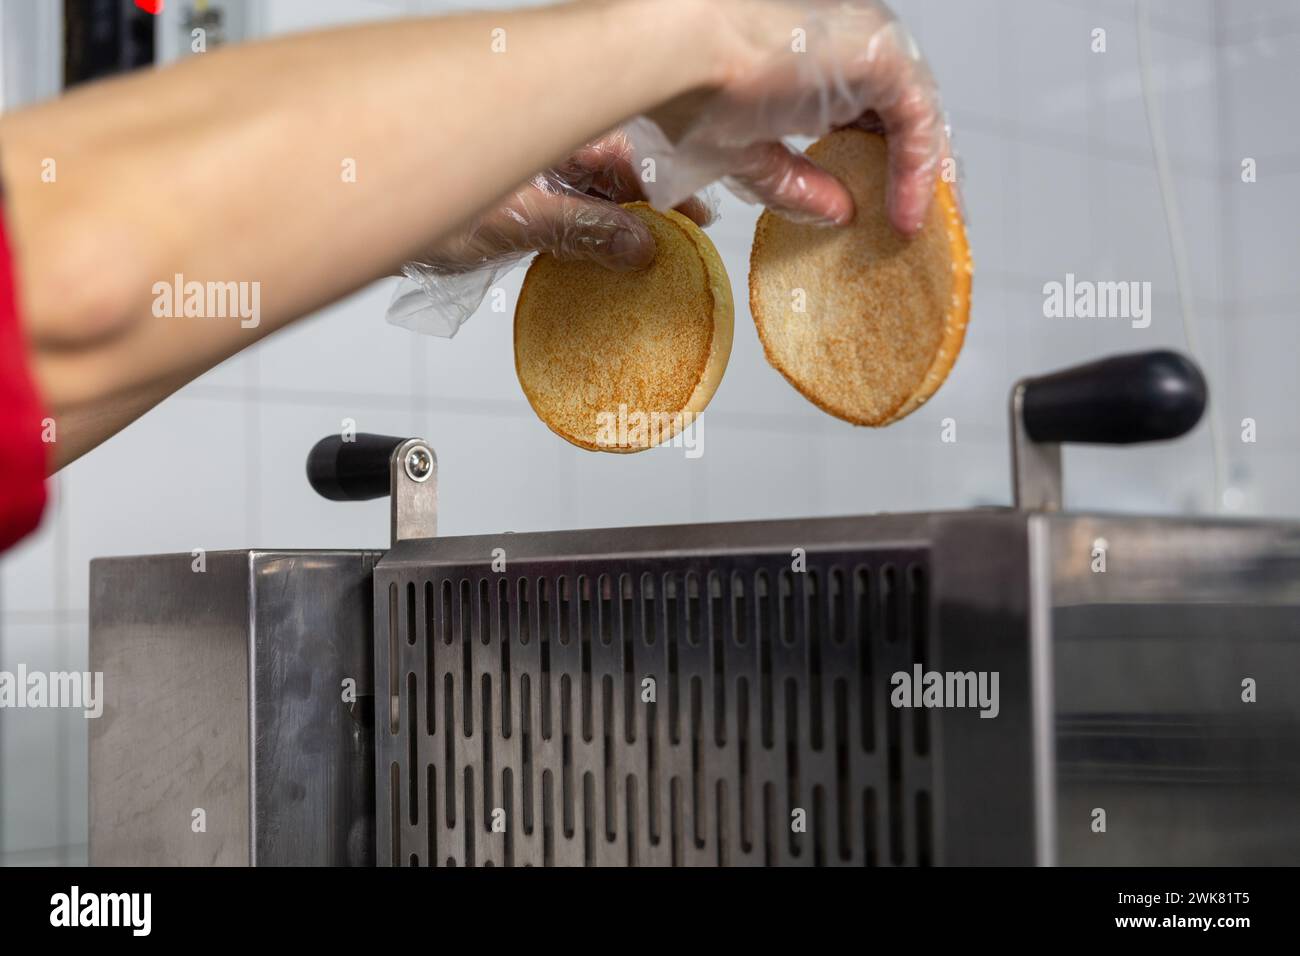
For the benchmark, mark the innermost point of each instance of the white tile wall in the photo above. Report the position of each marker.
(1258, 53)
(1058, 177)
(43, 800)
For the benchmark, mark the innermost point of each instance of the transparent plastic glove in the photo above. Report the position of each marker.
(800, 68)
(571, 211)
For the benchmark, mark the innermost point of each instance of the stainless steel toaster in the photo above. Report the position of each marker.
(1015, 685)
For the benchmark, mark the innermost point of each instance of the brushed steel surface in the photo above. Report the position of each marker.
(413, 491)
(1150, 723)
(1037, 481)
(224, 692)
(467, 732)
(312, 746)
(1120, 690)
(172, 645)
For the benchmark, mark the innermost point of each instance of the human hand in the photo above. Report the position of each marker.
(570, 211)
(800, 68)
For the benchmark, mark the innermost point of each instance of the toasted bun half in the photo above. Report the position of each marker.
(883, 317)
(623, 361)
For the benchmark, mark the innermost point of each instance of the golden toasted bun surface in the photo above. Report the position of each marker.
(591, 344)
(883, 317)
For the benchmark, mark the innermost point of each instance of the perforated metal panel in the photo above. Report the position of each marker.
(654, 711)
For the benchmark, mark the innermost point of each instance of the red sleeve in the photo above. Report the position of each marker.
(22, 448)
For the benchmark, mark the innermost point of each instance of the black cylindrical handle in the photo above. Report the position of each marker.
(1146, 396)
(353, 470)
